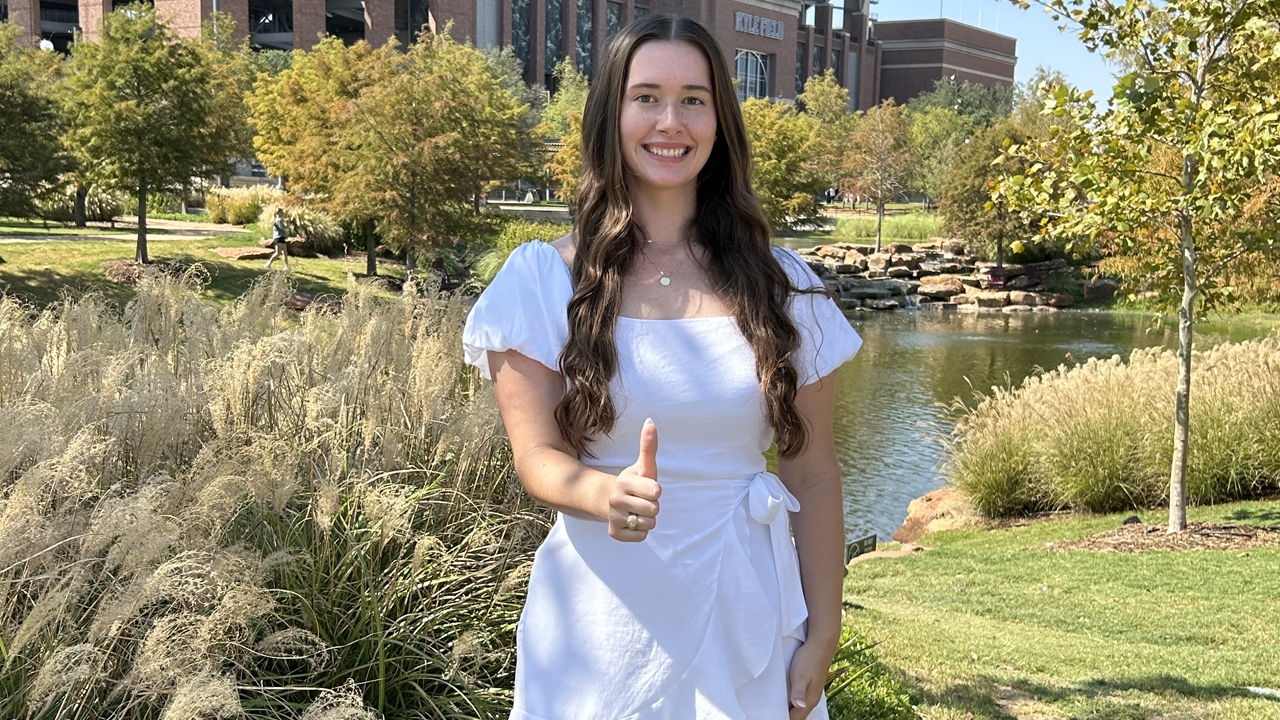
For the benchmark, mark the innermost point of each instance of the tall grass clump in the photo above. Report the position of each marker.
(1098, 436)
(911, 226)
(236, 512)
(240, 205)
(513, 234)
(100, 204)
(318, 228)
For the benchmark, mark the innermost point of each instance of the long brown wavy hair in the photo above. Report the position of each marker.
(729, 225)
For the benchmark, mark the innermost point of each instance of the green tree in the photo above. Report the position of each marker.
(827, 102)
(1202, 92)
(148, 110)
(982, 105)
(937, 135)
(879, 160)
(31, 154)
(566, 165)
(409, 139)
(967, 202)
(781, 165)
(570, 97)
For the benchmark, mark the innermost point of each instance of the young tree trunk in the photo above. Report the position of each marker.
(999, 252)
(371, 257)
(879, 222)
(408, 245)
(141, 254)
(82, 201)
(1182, 398)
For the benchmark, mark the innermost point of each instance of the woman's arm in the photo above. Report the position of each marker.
(813, 477)
(527, 394)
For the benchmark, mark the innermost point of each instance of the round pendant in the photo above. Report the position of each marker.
(665, 280)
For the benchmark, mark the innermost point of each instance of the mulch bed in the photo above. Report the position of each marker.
(1198, 536)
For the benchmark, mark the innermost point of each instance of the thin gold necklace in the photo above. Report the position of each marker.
(666, 276)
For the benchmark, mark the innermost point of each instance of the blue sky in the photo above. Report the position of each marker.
(1039, 41)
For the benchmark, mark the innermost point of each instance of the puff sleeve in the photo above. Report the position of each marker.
(524, 309)
(827, 340)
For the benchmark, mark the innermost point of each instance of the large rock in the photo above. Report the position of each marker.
(939, 291)
(1022, 282)
(964, 300)
(931, 246)
(830, 251)
(1017, 297)
(895, 286)
(1014, 309)
(243, 253)
(889, 304)
(859, 289)
(945, 509)
(896, 248)
(907, 260)
(991, 299)
(1100, 290)
(879, 261)
(1058, 300)
(898, 271)
(853, 257)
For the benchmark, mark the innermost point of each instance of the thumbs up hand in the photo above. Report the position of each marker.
(635, 494)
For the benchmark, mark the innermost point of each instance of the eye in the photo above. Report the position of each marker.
(645, 98)
(695, 101)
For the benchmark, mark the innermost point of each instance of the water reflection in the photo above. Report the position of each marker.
(889, 412)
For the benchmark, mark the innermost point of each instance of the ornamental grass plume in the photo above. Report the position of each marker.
(1098, 436)
(218, 513)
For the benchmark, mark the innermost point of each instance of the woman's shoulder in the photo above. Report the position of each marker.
(566, 247)
(802, 276)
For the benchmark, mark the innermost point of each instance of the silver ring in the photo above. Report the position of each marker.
(633, 521)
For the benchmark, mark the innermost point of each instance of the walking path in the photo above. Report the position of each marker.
(127, 228)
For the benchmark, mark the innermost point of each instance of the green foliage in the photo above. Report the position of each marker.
(101, 204)
(981, 105)
(514, 234)
(570, 97)
(782, 143)
(318, 228)
(148, 110)
(1095, 436)
(409, 139)
(912, 227)
(266, 517)
(879, 160)
(31, 156)
(827, 102)
(566, 165)
(240, 205)
(858, 688)
(937, 135)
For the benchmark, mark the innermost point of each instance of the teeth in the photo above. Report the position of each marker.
(660, 152)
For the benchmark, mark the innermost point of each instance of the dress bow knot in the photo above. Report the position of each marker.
(766, 499)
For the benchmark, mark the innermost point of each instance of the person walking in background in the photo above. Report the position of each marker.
(279, 241)
(667, 311)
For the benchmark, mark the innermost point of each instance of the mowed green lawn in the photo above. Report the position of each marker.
(997, 624)
(41, 272)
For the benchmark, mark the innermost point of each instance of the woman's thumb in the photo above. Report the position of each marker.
(647, 464)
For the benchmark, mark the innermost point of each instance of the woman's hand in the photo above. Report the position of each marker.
(808, 676)
(636, 491)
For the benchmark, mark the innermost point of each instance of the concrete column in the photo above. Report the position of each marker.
(184, 16)
(538, 40)
(599, 36)
(92, 13)
(26, 15)
(239, 12)
(505, 23)
(308, 23)
(379, 21)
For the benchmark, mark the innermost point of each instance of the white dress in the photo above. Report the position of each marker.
(699, 621)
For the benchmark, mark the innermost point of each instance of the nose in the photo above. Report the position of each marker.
(669, 120)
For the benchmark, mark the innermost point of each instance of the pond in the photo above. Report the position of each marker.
(892, 397)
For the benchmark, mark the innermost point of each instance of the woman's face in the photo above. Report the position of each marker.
(668, 116)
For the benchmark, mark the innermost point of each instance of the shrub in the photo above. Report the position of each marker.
(512, 235)
(254, 513)
(858, 688)
(1099, 436)
(913, 226)
(240, 205)
(101, 205)
(325, 234)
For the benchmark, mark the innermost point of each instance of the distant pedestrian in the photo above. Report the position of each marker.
(279, 241)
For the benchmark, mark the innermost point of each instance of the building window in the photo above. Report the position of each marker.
(612, 20)
(641, 12)
(753, 75)
(835, 63)
(817, 62)
(488, 17)
(420, 15)
(554, 20)
(802, 56)
(4, 11)
(268, 18)
(586, 18)
(521, 24)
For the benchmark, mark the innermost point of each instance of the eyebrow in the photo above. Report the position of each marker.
(655, 86)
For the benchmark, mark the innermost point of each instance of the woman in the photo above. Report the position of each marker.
(279, 241)
(669, 586)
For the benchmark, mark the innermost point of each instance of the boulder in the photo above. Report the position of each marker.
(243, 253)
(991, 299)
(931, 246)
(970, 281)
(1017, 297)
(1045, 309)
(964, 300)
(1021, 282)
(898, 271)
(849, 303)
(895, 286)
(879, 261)
(853, 257)
(858, 289)
(1100, 290)
(1058, 300)
(897, 248)
(829, 251)
(1014, 309)
(860, 249)
(939, 291)
(945, 509)
(845, 269)
(907, 260)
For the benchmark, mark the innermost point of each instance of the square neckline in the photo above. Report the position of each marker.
(569, 275)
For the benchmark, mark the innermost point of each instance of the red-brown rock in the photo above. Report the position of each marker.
(945, 509)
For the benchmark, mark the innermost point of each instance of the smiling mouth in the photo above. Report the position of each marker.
(668, 152)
